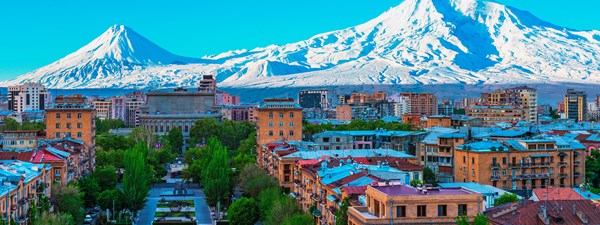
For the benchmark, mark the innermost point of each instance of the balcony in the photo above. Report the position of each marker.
(562, 175)
(577, 174)
(495, 166)
(519, 165)
(577, 163)
(287, 171)
(495, 178)
(562, 164)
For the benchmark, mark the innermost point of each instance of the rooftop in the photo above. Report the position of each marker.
(552, 194)
(405, 190)
(314, 154)
(484, 189)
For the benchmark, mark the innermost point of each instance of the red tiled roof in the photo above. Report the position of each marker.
(44, 155)
(527, 213)
(23, 156)
(556, 194)
(354, 190)
(347, 179)
(285, 152)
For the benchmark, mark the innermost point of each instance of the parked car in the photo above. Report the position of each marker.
(88, 219)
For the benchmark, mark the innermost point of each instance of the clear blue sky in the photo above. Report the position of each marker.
(35, 33)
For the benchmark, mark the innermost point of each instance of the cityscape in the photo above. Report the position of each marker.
(464, 112)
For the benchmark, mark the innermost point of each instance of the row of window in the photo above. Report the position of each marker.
(161, 128)
(69, 115)
(281, 124)
(281, 115)
(281, 133)
(79, 125)
(422, 210)
(68, 134)
(21, 142)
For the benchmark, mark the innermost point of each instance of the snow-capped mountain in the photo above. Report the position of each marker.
(417, 42)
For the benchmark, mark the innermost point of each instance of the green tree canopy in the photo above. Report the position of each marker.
(341, 215)
(136, 180)
(215, 173)
(106, 176)
(506, 198)
(592, 168)
(56, 219)
(266, 200)
(103, 126)
(253, 180)
(67, 199)
(243, 211)
(10, 124)
(107, 198)
(299, 219)
(175, 140)
(89, 187)
(429, 177)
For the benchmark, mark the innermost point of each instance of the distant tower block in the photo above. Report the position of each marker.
(208, 84)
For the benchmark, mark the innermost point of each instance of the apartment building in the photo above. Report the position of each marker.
(491, 114)
(278, 119)
(575, 105)
(402, 204)
(19, 139)
(103, 108)
(523, 97)
(71, 117)
(521, 165)
(28, 96)
(368, 139)
(422, 103)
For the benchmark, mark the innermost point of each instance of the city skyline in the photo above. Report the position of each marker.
(36, 43)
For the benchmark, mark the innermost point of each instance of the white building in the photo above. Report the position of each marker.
(401, 105)
(28, 96)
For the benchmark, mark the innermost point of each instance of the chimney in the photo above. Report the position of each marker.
(378, 163)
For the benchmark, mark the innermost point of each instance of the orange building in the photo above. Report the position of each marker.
(422, 103)
(521, 164)
(413, 119)
(438, 121)
(343, 112)
(401, 204)
(279, 119)
(71, 117)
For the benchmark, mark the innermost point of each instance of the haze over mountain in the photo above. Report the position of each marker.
(417, 42)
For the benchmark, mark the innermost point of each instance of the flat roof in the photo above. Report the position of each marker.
(405, 190)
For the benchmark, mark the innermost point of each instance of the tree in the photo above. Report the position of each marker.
(90, 189)
(109, 199)
(136, 180)
(506, 198)
(253, 180)
(139, 134)
(114, 142)
(481, 219)
(33, 125)
(175, 140)
(462, 220)
(106, 176)
(202, 130)
(300, 219)
(416, 183)
(32, 213)
(266, 200)
(216, 173)
(283, 208)
(10, 124)
(592, 168)
(341, 215)
(429, 177)
(554, 114)
(56, 219)
(103, 126)
(243, 211)
(67, 199)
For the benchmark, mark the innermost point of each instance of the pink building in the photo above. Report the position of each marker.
(224, 98)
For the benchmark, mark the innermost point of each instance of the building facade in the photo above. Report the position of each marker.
(490, 115)
(524, 97)
(71, 117)
(28, 96)
(422, 103)
(575, 105)
(314, 99)
(278, 119)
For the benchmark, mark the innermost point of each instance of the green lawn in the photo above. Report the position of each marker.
(166, 205)
(179, 214)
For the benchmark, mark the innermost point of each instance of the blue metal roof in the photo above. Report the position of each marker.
(483, 146)
(587, 194)
(483, 189)
(508, 133)
(453, 135)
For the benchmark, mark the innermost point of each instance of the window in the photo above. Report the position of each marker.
(337, 139)
(464, 159)
(280, 115)
(22, 142)
(68, 134)
(421, 211)
(281, 133)
(270, 133)
(376, 208)
(58, 116)
(68, 125)
(325, 139)
(473, 172)
(79, 125)
(68, 115)
(280, 124)
(462, 209)
(57, 125)
(270, 124)
(503, 172)
(291, 133)
(416, 176)
(291, 115)
(442, 210)
(291, 124)
(79, 134)
(503, 160)
(78, 115)
(473, 160)
(57, 134)
(401, 211)
(551, 159)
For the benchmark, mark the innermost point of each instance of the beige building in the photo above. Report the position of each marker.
(524, 97)
(28, 96)
(490, 115)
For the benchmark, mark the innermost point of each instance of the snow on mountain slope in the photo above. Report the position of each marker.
(417, 42)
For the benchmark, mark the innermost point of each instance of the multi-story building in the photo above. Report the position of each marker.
(208, 84)
(103, 108)
(365, 111)
(314, 99)
(496, 114)
(402, 106)
(575, 105)
(521, 165)
(180, 108)
(132, 111)
(278, 119)
(343, 113)
(422, 103)
(20, 139)
(368, 139)
(240, 113)
(437, 153)
(224, 98)
(403, 204)
(524, 97)
(71, 117)
(28, 96)
(22, 183)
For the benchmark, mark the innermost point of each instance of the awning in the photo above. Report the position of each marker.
(332, 198)
(540, 155)
(293, 194)
(316, 213)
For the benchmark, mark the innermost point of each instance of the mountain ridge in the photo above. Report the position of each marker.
(416, 42)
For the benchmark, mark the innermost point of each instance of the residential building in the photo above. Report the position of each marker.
(28, 96)
(71, 117)
(437, 153)
(489, 193)
(491, 115)
(576, 105)
(208, 84)
(224, 98)
(521, 165)
(314, 99)
(240, 113)
(403, 204)
(278, 119)
(368, 139)
(545, 212)
(422, 103)
(523, 97)
(343, 113)
(132, 111)
(103, 108)
(402, 106)
(19, 139)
